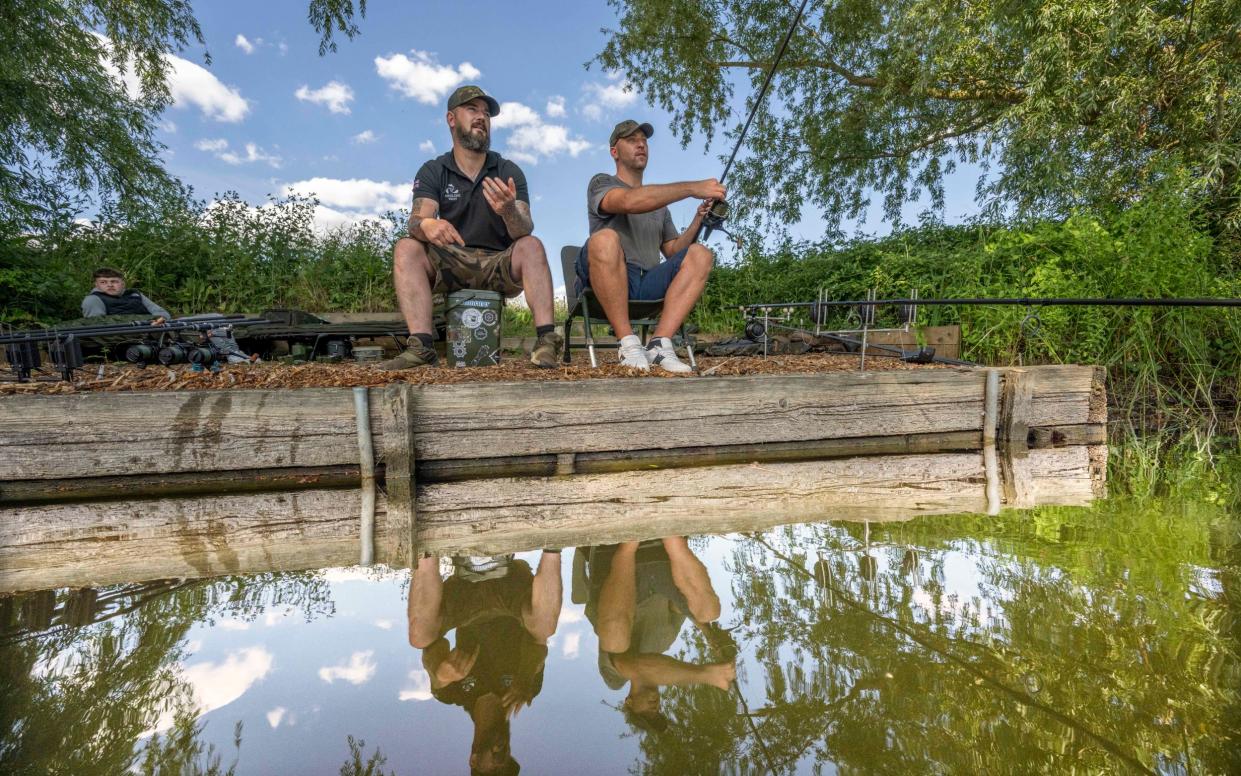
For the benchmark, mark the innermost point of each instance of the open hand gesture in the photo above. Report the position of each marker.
(500, 195)
(456, 666)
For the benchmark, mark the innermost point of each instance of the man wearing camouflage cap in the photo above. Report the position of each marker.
(470, 228)
(629, 228)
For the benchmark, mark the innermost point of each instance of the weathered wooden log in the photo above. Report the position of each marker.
(58, 545)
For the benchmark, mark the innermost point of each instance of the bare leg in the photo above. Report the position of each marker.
(412, 274)
(426, 593)
(684, 290)
(609, 279)
(691, 578)
(543, 613)
(618, 600)
(531, 271)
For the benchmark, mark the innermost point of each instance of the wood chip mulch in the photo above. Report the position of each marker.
(126, 377)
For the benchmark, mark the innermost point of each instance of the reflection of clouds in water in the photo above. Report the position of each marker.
(420, 689)
(215, 685)
(275, 715)
(572, 645)
(233, 625)
(193, 646)
(385, 624)
(361, 574)
(360, 668)
(277, 615)
(568, 616)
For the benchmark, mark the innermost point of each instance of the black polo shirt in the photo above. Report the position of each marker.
(461, 201)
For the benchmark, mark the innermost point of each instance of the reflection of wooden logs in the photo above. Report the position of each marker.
(80, 606)
(60, 545)
(37, 610)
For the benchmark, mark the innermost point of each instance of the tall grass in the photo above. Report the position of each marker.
(229, 257)
(1160, 360)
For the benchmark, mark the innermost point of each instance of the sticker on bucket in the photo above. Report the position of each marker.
(472, 319)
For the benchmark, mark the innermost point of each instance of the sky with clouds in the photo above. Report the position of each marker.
(270, 116)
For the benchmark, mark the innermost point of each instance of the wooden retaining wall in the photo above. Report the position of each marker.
(488, 467)
(100, 543)
(469, 430)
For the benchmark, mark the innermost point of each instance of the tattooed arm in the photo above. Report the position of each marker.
(424, 226)
(503, 200)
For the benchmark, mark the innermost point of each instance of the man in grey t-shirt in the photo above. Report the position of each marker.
(629, 228)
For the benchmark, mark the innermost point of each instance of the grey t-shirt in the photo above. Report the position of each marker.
(641, 234)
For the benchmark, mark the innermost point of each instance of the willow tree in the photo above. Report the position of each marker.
(1067, 103)
(70, 129)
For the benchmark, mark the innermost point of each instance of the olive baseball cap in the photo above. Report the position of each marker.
(627, 128)
(470, 92)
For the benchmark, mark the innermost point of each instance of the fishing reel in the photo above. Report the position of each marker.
(755, 330)
(715, 218)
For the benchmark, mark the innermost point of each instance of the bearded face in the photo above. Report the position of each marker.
(472, 128)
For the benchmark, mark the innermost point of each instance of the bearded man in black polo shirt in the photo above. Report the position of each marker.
(470, 228)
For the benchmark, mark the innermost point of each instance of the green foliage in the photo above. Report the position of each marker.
(68, 127)
(1155, 248)
(193, 258)
(1072, 103)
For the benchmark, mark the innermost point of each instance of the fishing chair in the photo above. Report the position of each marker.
(643, 313)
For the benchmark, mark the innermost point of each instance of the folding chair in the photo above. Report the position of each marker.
(643, 313)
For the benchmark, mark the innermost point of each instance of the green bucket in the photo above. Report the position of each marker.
(473, 332)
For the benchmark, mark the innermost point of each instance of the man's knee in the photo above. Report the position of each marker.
(528, 246)
(409, 252)
(604, 246)
(700, 257)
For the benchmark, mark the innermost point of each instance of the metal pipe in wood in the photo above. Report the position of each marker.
(366, 457)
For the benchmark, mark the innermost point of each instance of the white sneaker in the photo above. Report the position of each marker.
(632, 353)
(661, 354)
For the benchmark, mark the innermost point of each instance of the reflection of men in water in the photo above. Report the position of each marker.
(639, 597)
(503, 616)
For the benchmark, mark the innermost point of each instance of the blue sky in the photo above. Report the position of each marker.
(269, 115)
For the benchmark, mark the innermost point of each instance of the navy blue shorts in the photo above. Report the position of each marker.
(649, 284)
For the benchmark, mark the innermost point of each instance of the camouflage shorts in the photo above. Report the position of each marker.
(458, 268)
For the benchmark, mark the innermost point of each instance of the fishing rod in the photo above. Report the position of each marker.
(715, 217)
(53, 333)
(1020, 301)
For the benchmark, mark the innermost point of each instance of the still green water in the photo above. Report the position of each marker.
(1097, 639)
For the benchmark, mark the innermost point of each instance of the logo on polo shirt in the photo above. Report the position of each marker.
(452, 193)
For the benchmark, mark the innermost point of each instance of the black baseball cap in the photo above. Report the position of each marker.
(627, 128)
(470, 92)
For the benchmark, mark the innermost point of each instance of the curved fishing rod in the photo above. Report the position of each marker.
(719, 209)
(1021, 301)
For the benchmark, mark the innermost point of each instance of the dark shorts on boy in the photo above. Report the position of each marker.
(643, 284)
(478, 269)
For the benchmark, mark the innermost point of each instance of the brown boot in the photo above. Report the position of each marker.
(546, 351)
(415, 355)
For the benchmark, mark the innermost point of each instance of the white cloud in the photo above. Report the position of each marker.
(168, 126)
(420, 689)
(542, 140)
(245, 45)
(365, 136)
(275, 715)
(191, 84)
(531, 139)
(604, 98)
(188, 84)
(218, 144)
(421, 78)
(214, 685)
(426, 146)
(220, 149)
(384, 624)
(358, 194)
(572, 645)
(334, 94)
(514, 114)
(233, 624)
(555, 107)
(360, 668)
